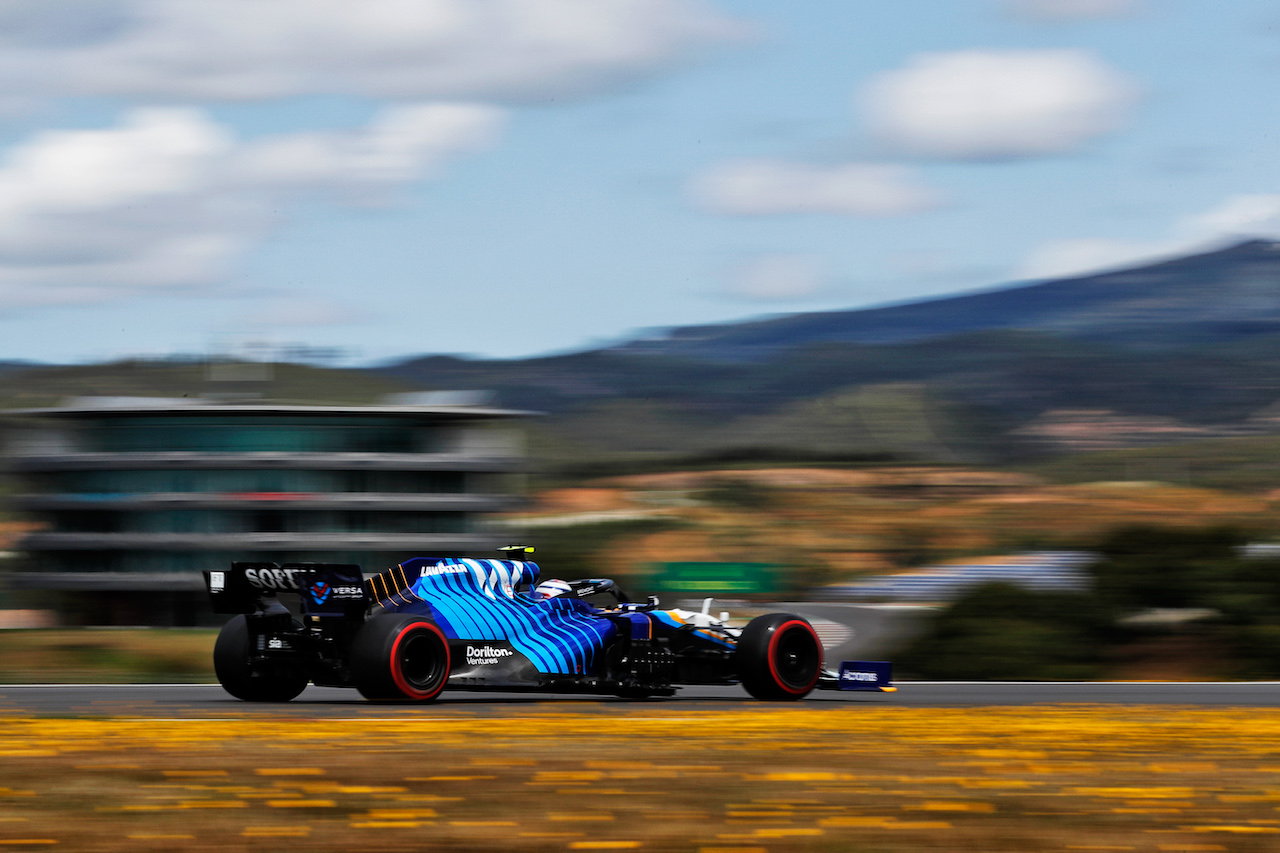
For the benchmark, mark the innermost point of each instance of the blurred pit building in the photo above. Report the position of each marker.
(135, 496)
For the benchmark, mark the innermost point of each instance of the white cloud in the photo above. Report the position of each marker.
(170, 199)
(300, 312)
(397, 49)
(996, 105)
(1063, 258)
(777, 277)
(402, 144)
(155, 154)
(1238, 217)
(761, 187)
(1058, 11)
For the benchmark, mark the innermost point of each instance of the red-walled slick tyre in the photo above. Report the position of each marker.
(400, 656)
(779, 657)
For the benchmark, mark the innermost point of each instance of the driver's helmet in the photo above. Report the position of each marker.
(551, 587)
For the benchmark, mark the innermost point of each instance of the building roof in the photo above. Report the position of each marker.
(81, 407)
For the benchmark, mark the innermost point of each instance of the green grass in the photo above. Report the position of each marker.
(116, 655)
(1248, 464)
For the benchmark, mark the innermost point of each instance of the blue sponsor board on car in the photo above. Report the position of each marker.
(866, 675)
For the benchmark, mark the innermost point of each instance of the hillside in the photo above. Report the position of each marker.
(1216, 296)
(833, 524)
(1183, 349)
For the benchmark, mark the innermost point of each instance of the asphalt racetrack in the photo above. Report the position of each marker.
(163, 701)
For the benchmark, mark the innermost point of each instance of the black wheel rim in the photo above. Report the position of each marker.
(420, 661)
(797, 657)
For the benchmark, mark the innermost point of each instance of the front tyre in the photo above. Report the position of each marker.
(400, 656)
(275, 683)
(779, 657)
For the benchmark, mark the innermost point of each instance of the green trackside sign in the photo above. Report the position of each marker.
(707, 578)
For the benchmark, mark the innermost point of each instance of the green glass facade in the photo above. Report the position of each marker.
(232, 434)
(103, 484)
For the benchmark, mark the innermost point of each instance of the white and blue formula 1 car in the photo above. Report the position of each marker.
(429, 624)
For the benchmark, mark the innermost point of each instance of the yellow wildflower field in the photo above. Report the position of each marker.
(566, 776)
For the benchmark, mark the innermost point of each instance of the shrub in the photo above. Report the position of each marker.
(1000, 631)
(1145, 567)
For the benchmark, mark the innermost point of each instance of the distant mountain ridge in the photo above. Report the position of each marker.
(1192, 344)
(1210, 296)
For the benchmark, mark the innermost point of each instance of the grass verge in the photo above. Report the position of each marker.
(107, 655)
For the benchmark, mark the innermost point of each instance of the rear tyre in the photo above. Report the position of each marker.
(779, 657)
(400, 656)
(276, 683)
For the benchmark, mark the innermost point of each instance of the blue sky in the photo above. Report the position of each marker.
(502, 178)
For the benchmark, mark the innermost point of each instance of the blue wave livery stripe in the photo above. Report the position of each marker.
(477, 600)
(526, 630)
(523, 636)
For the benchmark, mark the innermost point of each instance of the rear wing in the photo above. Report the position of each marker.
(326, 589)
